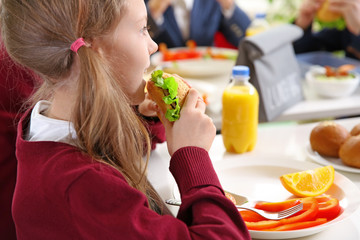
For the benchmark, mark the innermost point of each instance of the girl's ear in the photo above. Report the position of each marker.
(96, 44)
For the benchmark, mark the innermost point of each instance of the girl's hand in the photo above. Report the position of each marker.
(148, 108)
(307, 12)
(193, 128)
(350, 9)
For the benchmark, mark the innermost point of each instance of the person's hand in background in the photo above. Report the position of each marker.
(158, 7)
(350, 10)
(307, 12)
(226, 4)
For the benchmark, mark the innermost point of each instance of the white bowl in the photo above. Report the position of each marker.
(332, 88)
(197, 68)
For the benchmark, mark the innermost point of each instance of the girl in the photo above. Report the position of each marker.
(79, 149)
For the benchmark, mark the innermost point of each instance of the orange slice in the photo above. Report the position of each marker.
(309, 183)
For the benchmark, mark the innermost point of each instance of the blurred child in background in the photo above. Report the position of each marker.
(330, 39)
(175, 21)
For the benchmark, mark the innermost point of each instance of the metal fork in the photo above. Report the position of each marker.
(274, 215)
(268, 215)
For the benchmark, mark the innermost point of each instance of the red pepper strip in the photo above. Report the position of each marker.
(277, 206)
(250, 216)
(329, 209)
(205, 98)
(323, 198)
(299, 225)
(309, 214)
(168, 56)
(163, 48)
(191, 44)
(183, 55)
(261, 225)
(311, 210)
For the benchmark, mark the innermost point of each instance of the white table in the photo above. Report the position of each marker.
(275, 140)
(315, 107)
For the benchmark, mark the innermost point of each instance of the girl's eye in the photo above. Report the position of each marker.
(145, 29)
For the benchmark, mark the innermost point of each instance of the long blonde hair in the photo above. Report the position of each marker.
(38, 35)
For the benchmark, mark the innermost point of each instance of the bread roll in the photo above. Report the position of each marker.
(350, 151)
(355, 130)
(327, 137)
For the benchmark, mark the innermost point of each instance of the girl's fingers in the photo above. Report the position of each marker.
(191, 99)
(148, 108)
(152, 107)
(200, 105)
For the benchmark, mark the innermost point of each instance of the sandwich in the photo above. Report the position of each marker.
(169, 93)
(329, 19)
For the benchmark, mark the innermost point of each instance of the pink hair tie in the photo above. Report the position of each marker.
(77, 44)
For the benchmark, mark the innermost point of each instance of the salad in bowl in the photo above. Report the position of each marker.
(333, 82)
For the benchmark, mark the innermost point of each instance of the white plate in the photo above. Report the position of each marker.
(202, 86)
(260, 180)
(196, 68)
(206, 88)
(335, 162)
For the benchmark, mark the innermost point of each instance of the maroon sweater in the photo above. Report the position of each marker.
(63, 194)
(16, 84)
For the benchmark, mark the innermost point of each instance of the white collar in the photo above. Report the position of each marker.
(188, 3)
(43, 128)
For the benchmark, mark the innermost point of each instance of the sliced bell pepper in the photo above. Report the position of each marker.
(163, 47)
(329, 209)
(205, 98)
(299, 225)
(261, 225)
(310, 206)
(277, 206)
(181, 55)
(191, 44)
(250, 216)
(316, 210)
(309, 214)
(323, 198)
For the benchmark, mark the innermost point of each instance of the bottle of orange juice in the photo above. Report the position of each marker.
(259, 24)
(240, 112)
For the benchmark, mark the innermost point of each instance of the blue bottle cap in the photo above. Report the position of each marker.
(260, 15)
(240, 70)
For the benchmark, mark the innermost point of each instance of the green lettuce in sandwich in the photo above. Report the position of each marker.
(169, 93)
